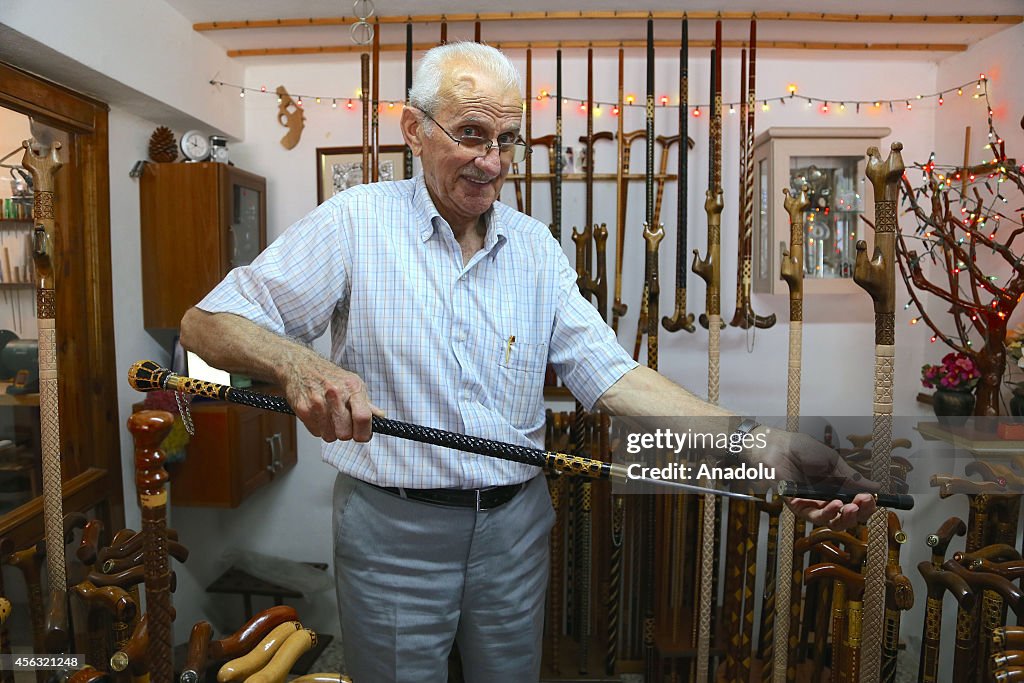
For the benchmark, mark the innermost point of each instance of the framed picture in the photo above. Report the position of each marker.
(339, 168)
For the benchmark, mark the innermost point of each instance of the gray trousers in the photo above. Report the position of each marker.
(414, 577)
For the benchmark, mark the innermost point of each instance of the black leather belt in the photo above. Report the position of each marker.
(478, 499)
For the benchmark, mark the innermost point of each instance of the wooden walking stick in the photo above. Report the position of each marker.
(744, 317)
(792, 272)
(876, 275)
(375, 112)
(407, 152)
(680, 319)
(198, 653)
(556, 208)
(529, 131)
(708, 270)
(589, 170)
(940, 540)
(148, 429)
(29, 561)
(444, 31)
(364, 98)
(621, 183)
(851, 647)
(899, 598)
(938, 581)
(44, 163)
(6, 675)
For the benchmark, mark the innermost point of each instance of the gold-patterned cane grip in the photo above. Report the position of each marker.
(198, 653)
(5, 610)
(940, 540)
(653, 237)
(938, 581)
(251, 632)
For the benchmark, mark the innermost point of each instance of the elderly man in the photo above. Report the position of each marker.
(446, 306)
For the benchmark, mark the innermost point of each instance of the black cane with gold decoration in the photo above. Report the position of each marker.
(364, 98)
(407, 152)
(556, 201)
(528, 105)
(621, 168)
(680, 319)
(375, 111)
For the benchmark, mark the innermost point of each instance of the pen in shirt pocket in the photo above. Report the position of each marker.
(508, 346)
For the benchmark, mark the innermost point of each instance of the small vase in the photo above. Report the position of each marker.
(952, 407)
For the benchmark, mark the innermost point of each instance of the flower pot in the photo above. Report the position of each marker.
(952, 407)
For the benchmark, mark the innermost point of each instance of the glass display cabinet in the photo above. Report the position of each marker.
(830, 161)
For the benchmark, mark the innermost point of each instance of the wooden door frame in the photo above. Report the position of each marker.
(89, 424)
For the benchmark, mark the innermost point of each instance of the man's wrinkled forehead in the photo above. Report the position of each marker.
(464, 82)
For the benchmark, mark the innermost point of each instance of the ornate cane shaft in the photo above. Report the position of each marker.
(557, 199)
(364, 97)
(375, 111)
(622, 167)
(557, 488)
(876, 274)
(529, 132)
(148, 429)
(680, 319)
(407, 152)
(653, 237)
(44, 164)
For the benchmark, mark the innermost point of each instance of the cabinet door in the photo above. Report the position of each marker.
(279, 431)
(250, 450)
(243, 217)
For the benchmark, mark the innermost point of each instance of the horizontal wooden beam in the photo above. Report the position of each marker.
(708, 15)
(608, 44)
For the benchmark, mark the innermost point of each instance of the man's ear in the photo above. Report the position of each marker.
(412, 130)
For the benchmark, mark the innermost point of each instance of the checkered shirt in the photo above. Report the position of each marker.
(428, 334)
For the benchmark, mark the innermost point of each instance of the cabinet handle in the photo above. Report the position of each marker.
(278, 465)
(272, 467)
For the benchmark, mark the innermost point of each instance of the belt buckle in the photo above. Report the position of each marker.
(477, 499)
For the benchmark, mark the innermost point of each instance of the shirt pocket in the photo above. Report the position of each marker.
(520, 390)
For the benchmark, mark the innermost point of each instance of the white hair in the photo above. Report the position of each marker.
(425, 93)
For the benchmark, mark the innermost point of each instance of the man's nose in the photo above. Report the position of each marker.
(490, 162)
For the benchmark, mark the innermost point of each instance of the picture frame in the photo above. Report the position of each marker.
(339, 168)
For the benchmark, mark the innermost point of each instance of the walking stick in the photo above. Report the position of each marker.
(529, 131)
(792, 272)
(938, 581)
(744, 316)
(642, 324)
(148, 429)
(940, 540)
(899, 598)
(589, 170)
(375, 113)
(556, 209)
(876, 275)
(6, 675)
(444, 31)
(407, 152)
(43, 164)
(621, 183)
(850, 649)
(708, 270)
(476, 37)
(29, 561)
(364, 99)
(680, 319)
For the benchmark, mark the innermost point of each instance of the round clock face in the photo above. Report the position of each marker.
(195, 146)
(219, 153)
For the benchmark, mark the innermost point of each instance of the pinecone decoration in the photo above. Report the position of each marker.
(162, 145)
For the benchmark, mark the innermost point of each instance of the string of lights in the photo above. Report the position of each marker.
(826, 104)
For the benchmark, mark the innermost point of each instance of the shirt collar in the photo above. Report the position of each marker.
(495, 236)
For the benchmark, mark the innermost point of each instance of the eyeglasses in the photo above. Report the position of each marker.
(508, 148)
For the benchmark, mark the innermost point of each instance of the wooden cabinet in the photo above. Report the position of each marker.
(235, 450)
(199, 220)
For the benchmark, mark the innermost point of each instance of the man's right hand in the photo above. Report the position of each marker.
(331, 401)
